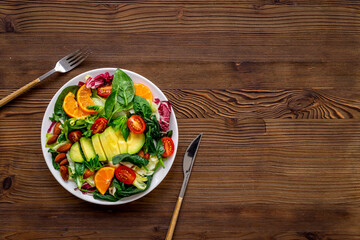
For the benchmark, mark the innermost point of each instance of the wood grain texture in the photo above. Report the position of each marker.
(192, 75)
(194, 17)
(235, 46)
(231, 105)
(273, 85)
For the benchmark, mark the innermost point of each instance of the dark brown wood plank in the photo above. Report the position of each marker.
(204, 235)
(172, 47)
(17, 71)
(261, 3)
(161, 17)
(231, 105)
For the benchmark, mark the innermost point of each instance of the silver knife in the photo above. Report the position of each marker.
(189, 159)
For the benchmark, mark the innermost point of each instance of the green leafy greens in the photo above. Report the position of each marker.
(122, 95)
(120, 123)
(93, 164)
(78, 175)
(134, 159)
(110, 104)
(155, 127)
(124, 87)
(149, 146)
(122, 190)
(142, 107)
(159, 152)
(94, 107)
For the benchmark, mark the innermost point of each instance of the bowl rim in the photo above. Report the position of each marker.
(89, 198)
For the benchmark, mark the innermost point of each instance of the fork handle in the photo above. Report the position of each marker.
(18, 92)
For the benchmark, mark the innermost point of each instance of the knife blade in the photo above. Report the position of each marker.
(188, 162)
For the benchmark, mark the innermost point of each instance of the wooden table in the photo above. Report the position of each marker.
(273, 85)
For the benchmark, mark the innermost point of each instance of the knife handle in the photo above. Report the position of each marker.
(174, 218)
(18, 92)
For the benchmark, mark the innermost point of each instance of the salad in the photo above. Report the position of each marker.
(109, 135)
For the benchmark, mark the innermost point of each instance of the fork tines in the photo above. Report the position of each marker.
(76, 57)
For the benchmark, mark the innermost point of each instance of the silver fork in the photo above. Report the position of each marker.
(64, 65)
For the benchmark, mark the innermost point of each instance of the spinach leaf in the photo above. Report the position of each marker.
(159, 152)
(120, 123)
(159, 149)
(152, 133)
(110, 105)
(169, 134)
(53, 156)
(106, 197)
(125, 131)
(126, 192)
(59, 112)
(118, 185)
(79, 169)
(142, 106)
(122, 94)
(128, 107)
(155, 127)
(122, 190)
(134, 159)
(116, 80)
(62, 137)
(149, 146)
(124, 87)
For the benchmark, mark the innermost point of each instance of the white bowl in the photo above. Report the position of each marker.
(70, 185)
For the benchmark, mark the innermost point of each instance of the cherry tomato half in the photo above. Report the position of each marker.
(75, 136)
(99, 125)
(169, 146)
(104, 91)
(125, 174)
(136, 124)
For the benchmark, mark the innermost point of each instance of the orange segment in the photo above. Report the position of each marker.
(103, 179)
(143, 91)
(83, 98)
(71, 107)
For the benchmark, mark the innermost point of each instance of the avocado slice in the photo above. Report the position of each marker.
(98, 148)
(109, 142)
(123, 147)
(87, 148)
(135, 142)
(75, 153)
